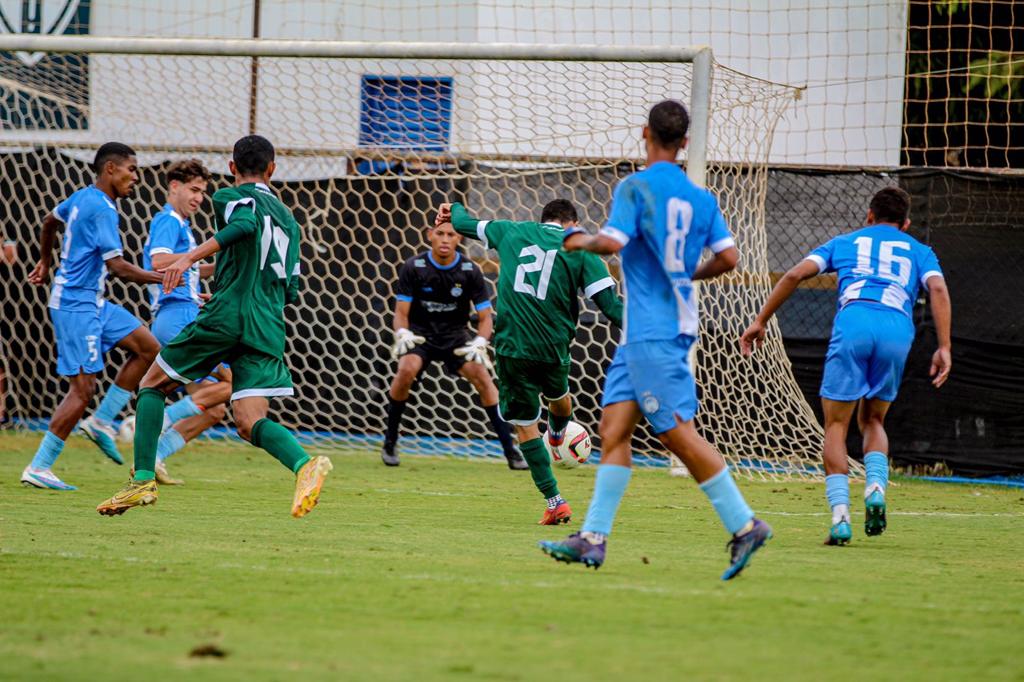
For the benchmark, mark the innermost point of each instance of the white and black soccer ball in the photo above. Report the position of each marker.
(575, 448)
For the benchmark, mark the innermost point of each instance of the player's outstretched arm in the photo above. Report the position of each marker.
(461, 220)
(942, 313)
(610, 304)
(753, 337)
(129, 272)
(577, 239)
(721, 263)
(172, 275)
(41, 272)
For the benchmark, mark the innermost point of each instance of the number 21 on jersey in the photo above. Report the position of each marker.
(542, 261)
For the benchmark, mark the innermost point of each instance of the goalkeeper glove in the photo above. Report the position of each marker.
(405, 341)
(476, 351)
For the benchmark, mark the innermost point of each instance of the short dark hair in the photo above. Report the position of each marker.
(559, 211)
(187, 170)
(890, 205)
(668, 123)
(111, 151)
(252, 155)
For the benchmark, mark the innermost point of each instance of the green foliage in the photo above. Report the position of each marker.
(431, 572)
(999, 75)
(951, 7)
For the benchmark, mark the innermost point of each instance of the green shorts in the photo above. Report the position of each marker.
(198, 349)
(522, 383)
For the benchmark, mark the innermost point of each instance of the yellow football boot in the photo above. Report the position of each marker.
(308, 483)
(134, 494)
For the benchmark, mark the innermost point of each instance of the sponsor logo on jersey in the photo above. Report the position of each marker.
(420, 263)
(435, 307)
(467, 266)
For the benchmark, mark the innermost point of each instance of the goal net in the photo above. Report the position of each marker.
(369, 144)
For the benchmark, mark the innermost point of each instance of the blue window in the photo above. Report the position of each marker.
(411, 113)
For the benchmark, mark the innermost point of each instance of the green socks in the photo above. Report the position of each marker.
(557, 424)
(149, 422)
(279, 442)
(536, 455)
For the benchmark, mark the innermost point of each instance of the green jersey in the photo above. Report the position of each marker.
(538, 285)
(257, 269)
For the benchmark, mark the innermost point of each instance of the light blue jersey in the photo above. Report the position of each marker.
(170, 233)
(664, 222)
(880, 270)
(91, 237)
(878, 264)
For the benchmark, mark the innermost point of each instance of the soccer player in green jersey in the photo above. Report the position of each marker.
(257, 273)
(537, 307)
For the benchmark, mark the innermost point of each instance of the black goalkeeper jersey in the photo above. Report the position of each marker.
(442, 297)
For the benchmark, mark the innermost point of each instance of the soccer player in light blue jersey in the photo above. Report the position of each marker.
(660, 224)
(170, 236)
(85, 325)
(880, 269)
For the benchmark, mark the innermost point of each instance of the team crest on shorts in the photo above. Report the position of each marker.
(650, 403)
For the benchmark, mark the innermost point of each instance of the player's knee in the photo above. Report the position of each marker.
(404, 378)
(611, 434)
(148, 349)
(244, 427)
(83, 388)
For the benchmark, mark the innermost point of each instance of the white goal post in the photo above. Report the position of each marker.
(505, 128)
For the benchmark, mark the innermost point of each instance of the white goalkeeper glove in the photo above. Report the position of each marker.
(476, 351)
(405, 341)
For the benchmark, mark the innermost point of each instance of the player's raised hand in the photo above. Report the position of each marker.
(942, 362)
(40, 273)
(476, 351)
(173, 273)
(444, 215)
(752, 338)
(405, 341)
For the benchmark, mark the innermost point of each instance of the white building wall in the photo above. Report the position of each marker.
(848, 54)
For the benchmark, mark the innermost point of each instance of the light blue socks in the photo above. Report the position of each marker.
(48, 452)
(609, 487)
(170, 442)
(876, 468)
(182, 409)
(837, 491)
(112, 404)
(728, 501)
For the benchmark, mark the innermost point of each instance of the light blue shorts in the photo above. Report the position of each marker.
(84, 337)
(867, 353)
(656, 376)
(171, 319)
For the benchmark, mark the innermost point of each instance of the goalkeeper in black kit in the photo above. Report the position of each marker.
(437, 292)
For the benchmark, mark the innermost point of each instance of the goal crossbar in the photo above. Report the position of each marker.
(700, 56)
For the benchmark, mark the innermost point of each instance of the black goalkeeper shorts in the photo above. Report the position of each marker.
(443, 350)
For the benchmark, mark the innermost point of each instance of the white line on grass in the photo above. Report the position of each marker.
(901, 513)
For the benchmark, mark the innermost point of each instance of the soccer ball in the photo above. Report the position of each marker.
(575, 448)
(126, 434)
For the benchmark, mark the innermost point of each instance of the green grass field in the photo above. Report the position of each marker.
(431, 571)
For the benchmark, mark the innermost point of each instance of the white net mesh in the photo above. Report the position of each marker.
(367, 149)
